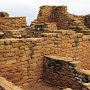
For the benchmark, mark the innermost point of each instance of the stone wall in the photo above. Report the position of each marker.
(45, 14)
(83, 52)
(50, 13)
(62, 18)
(12, 23)
(21, 60)
(62, 72)
(51, 26)
(18, 63)
(72, 45)
(64, 42)
(18, 33)
(87, 21)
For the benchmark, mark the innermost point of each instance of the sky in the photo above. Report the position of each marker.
(30, 8)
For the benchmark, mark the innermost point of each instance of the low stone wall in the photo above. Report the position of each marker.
(61, 72)
(19, 33)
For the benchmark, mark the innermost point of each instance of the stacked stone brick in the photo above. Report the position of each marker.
(63, 20)
(51, 26)
(87, 21)
(12, 23)
(11, 27)
(62, 72)
(45, 14)
(21, 58)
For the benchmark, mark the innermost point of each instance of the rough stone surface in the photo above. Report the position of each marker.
(62, 18)
(4, 14)
(12, 23)
(54, 32)
(63, 73)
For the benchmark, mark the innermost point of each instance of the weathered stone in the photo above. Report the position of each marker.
(4, 14)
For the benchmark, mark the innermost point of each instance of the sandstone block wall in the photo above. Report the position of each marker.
(83, 52)
(87, 21)
(14, 60)
(12, 23)
(18, 33)
(45, 14)
(71, 44)
(51, 26)
(62, 18)
(48, 13)
(21, 60)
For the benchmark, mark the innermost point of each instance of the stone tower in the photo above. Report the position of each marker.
(61, 10)
(60, 13)
(46, 14)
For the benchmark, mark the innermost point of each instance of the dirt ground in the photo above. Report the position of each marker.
(42, 86)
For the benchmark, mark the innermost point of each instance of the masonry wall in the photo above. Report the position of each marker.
(14, 60)
(60, 17)
(64, 42)
(72, 45)
(12, 23)
(63, 19)
(45, 14)
(18, 61)
(87, 21)
(61, 72)
(83, 52)
(21, 60)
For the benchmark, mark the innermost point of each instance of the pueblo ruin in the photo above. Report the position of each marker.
(53, 52)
